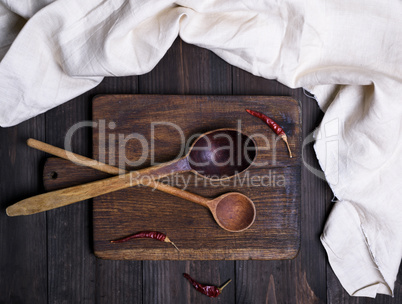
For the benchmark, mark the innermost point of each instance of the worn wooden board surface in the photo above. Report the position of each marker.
(134, 131)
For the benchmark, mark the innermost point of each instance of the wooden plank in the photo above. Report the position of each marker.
(315, 194)
(168, 276)
(204, 73)
(187, 69)
(273, 182)
(75, 276)
(23, 255)
(59, 173)
(117, 281)
(288, 281)
(71, 262)
(274, 282)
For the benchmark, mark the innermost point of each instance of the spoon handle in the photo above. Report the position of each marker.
(63, 197)
(75, 158)
(180, 193)
(94, 164)
(59, 198)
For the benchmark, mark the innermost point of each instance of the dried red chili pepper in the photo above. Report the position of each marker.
(273, 125)
(147, 234)
(209, 290)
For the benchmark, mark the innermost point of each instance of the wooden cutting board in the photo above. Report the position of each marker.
(133, 131)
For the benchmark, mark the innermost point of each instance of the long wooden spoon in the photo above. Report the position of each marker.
(233, 211)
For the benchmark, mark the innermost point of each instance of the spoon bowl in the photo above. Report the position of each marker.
(221, 153)
(233, 211)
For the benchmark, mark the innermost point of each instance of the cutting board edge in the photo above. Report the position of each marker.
(225, 96)
(234, 254)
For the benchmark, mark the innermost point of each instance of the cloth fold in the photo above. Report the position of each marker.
(359, 260)
(347, 54)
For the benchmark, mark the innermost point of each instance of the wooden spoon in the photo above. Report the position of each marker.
(232, 211)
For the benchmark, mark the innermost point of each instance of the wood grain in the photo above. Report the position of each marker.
(292, 280)
(49, 259)
(112, 210)
(23, 249)
(274, 236)
(186, 69)
(66, 173)
(313, 262)
(74, 274)
(116, 281)
(71, 264)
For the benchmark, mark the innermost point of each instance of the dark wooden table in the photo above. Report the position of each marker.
(48, 257)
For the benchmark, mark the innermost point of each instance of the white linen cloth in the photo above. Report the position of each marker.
(347, 53)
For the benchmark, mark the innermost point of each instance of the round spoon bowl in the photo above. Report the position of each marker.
(234, 211)
(222, 153)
